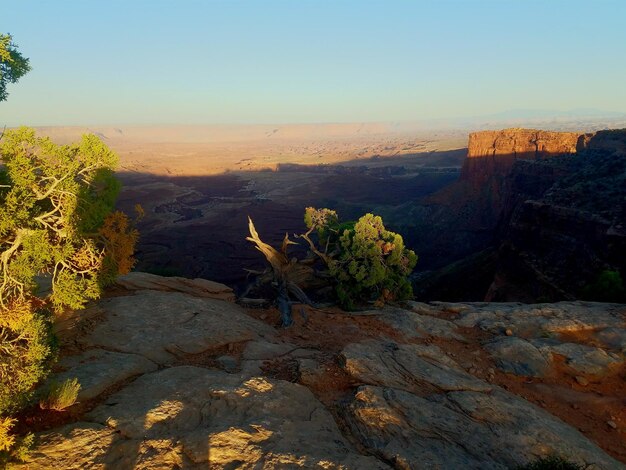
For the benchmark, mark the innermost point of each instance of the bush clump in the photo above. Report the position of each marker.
(60, 396)
(367, 261)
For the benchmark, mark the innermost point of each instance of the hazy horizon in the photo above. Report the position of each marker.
(217, 62)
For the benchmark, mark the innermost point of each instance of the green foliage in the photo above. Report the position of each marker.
(26, 349)
(60, 243)
(551, 463)
(323, 221)
(60, 396)
(13, 448)
(608, 287)
(57, 198)
(13, 65)
(367, 261)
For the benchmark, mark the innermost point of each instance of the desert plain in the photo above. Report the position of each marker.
(199, 184)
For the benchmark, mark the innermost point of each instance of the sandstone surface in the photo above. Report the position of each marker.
(162, 326)
(174, 380)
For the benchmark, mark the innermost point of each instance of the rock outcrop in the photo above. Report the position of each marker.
(492, 153)
(563, 222)
(537, 215)
(197, 287)
(175, 380)
(523, 143)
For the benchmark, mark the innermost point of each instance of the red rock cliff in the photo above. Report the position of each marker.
(492, 153)
(522, 143)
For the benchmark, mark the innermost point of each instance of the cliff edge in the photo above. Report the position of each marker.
(535, 215)
(174, 376)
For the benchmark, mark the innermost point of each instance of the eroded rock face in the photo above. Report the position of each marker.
(420, 410)
(196, 287)
(97, 370)
(537, 215)
(580, 357)
(523, 143)
(518, 356)
(491, 154)
(409, 367)
(537, 319)
(415, 325)
(560, 223)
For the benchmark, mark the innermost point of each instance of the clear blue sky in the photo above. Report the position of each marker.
(268, 61)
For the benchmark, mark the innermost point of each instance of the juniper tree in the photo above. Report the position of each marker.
(13, 65)
(60, 243)
(367, 261)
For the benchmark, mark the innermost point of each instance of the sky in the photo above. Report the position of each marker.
(271, 61)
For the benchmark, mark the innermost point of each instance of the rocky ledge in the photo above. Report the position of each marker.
(177, 377)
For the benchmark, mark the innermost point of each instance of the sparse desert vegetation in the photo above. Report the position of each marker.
(59, 396)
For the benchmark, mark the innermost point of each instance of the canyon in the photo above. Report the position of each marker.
(535, 215)
(495, 365)
(499, 215)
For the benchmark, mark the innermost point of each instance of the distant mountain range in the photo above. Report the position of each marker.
(588, 119)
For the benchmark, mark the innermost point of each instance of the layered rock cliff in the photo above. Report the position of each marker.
(493, 153)
(523, 143)
(563, 221)
(551, 204)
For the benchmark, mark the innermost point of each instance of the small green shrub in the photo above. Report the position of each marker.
(608, 287)
(60, 396)
(551, 463)
(367, 261)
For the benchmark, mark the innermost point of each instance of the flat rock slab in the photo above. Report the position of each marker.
(163, 325)
(411, 367)
(74, 446)
(197, 287)
(414, 325)
(464, 430)
(98, 370)
(581, 358)
(536, 320)
(517, 356)
(190, 417)
(612, 338)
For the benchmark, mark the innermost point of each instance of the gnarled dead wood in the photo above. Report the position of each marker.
(287, 275)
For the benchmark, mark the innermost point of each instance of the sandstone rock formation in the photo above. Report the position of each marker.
(491, 154)
(522, 143)
(173, 380)
(536, 215)
(196, 287)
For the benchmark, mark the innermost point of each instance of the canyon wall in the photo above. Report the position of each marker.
(550, 205)
(491, 154)
(523, 143)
